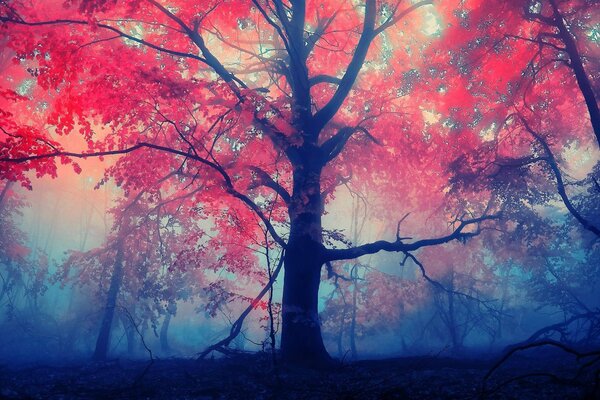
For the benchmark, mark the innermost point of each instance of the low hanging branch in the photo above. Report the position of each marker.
(589, 359)
(236, 328)
(438, 285)
(561, 328)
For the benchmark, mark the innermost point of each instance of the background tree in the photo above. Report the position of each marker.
(24, 278)
(134, 270)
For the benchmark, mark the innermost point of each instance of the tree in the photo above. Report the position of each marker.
(23, 271)
(134, 272)
(553, 45)
(561, 24)
(460, 315)
(260, 102)
(24, 279)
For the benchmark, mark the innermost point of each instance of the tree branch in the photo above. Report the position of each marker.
(210, 58)
(399, 246)
(443, 288)
(560, 186)
(237, 325)
(397, 17)
(346, 83)
(324, 115)
(264, 179)
(216, 167)
(106, 27)
(579, 355)
(315, 80)
(583, 80)
(334, 145)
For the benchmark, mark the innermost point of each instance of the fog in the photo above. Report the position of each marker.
(471, 299)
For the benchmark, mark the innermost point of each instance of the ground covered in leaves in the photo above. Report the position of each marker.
(255, 377)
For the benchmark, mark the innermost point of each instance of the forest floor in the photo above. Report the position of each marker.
(255, 377)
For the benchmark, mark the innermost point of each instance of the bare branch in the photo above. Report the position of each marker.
(579, 355)
(237, 325)
(331, 273)
(438, 285)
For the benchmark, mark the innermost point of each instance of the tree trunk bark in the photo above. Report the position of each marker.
(301, 340)
(103, 340)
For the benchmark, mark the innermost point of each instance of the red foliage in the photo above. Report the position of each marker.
(216, 108)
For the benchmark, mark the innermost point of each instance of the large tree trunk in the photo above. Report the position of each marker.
(301, 340)
(103, 341)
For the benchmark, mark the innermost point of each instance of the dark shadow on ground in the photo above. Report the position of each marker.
(255, 377)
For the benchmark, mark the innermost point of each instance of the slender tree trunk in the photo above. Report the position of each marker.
(103, 340)
(3, 194)
(301, 340)
(503, 299)
(452, 323)
(454, 335)
(353, 351)
(270, 307)
(130, 334)
(164, 330)
(340, 337)
(141, 334)
(6, 280)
